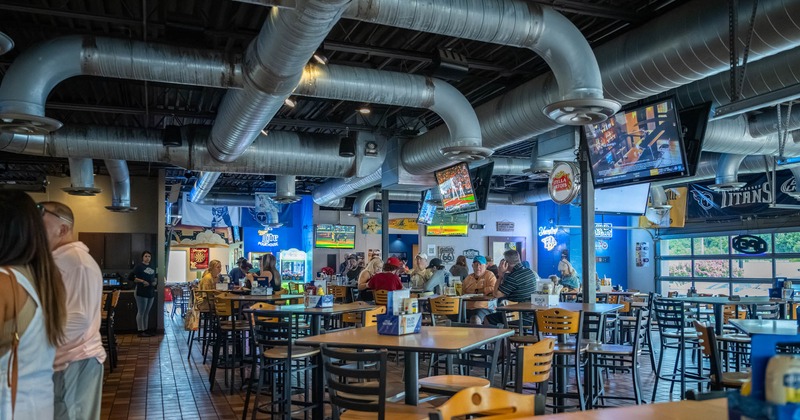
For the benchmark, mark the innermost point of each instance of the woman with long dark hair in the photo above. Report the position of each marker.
(32, 310)
(146, 281)
(269, 269)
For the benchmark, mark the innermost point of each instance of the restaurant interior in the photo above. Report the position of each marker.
(643, 150)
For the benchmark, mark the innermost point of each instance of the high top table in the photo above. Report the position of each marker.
(449, 340)
(720, 301)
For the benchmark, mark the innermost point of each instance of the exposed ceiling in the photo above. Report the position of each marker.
(227, 25)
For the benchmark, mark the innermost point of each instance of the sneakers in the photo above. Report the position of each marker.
(144, 334)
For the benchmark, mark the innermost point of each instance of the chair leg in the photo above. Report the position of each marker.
(637, 392)
(214, 360)
(658, 372)
(253, 369)
(581, 398)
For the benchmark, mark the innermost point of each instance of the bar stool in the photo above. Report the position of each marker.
(229, 333)
(562, 324)
(381, 297)
(534, 364)
(107, 332)
(445, 306)
(719, 379)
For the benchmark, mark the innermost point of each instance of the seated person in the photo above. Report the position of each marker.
(569, 277)
(418, 272)
(388, 279)
(435, 277)
(353, 269)
(373, 267)
(516, 284)
(481, 281)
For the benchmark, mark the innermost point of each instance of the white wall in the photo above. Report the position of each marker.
(641, 278)
(523, 217)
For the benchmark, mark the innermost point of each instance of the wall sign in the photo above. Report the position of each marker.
(549, 242)
(749, 244)
(267, 238)
(505, 226)
(447, 254)
(198, 258)
(603, 230)
(471, 253)
(754, 198)
(563, 183)
(642, 254)
(431, 250)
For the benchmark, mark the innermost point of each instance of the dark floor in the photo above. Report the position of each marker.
(154, 380)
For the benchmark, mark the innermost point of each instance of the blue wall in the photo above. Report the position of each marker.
(615, 248)
(403, 243)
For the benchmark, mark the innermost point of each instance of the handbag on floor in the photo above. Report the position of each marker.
(192, 320)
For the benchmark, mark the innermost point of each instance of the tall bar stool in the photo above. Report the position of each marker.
(534, 365)
(719, 379)
(230, 334)
(675, 334)
(381, 297)
(107, 332)
(563, 324)
(203, 301)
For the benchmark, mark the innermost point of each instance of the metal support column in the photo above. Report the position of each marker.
(384, 224)
(587, 226)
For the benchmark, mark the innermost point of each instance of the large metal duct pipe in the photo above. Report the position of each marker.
(766, 123)
(279, 153)
(203, 185)
(6, 43)
(533, 196)
(727, 177)
(81, 176)
(658, 198)
(285, 190)
(504, 166)
(363, 198)
(120, 186)
(272, 68)
(399, 89)
(36, 71)
(732, 135)
(331, 193)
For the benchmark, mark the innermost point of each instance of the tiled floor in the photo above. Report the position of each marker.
(154, 380)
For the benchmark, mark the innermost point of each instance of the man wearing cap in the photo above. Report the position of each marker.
(435, 277)
(388, 279)
(352, 270)
(345, 264)
(238, 273)
(481, 282)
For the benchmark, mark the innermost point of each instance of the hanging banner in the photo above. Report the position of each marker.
(209, 216)
(753, 198)
(674, 218)
(405, 223)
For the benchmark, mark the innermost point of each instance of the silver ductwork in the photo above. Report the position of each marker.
(6, 43)
(279, 153)
(203, 186)
(658, 198)
(539, 168)
(766, 123)
(331, 193)
(533, 196)
(727, 176)
(81, 177)
(732, 135)
(285, 192)
(120, 186)
(399, 89)
(365, 197)
(272, 68)
(505, 166)
(35, 72)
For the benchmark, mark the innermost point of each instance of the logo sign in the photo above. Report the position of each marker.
(749, 244)
(543, 231)
(505, 226)
(600, 245)
(603, 230)
(549, 242)
(471, 253)
(563, 183)
(267, 238)
(447, 254)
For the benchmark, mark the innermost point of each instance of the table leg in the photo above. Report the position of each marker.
(318, 413)
(412, 377)
(718, 321)
(561, 381)
(315, 321)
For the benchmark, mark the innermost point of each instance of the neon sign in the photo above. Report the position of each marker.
(268, 238)
(549, 242)
(547, 231)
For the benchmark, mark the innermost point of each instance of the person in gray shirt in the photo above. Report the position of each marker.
(435, 277)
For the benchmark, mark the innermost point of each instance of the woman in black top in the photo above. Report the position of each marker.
(269, 270)
(145, 279)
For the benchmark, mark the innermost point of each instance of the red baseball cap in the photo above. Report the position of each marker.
(394, 261)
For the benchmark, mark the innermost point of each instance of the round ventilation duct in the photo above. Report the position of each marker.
(6, 43)
(285, 190)
(581, 111)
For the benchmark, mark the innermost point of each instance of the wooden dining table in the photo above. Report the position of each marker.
(677, 410)
(719, 302)
(447, 340)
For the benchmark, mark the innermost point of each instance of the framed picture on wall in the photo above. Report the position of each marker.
(198, 258)
(371, 225)
(500, 244)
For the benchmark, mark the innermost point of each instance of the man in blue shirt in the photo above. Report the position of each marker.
(516, 283)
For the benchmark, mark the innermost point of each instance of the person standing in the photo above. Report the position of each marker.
(145, 279)
(460, 269)
(78, 365)
(516, 284)
(33, 310)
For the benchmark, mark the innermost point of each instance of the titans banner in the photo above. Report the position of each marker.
(752, 199)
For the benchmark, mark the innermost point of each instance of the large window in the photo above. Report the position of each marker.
(711, 265)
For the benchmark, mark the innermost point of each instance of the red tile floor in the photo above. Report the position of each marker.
(154, 380)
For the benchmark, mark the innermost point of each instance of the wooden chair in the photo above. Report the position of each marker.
(444, 306)
(499, 405)
(362, 392)
(364, 319)
(534, 364)
(381, 297)
(719, 379)
(562, 324)
(339, 293)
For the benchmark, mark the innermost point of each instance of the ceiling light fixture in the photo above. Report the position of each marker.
(321, 58)
(289, 102)
(264, 132)
(364, 110)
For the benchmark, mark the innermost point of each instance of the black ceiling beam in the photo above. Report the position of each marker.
(24, 8)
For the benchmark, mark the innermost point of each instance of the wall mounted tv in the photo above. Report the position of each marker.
(455, 184)
(335, 236)
(693, 122)
(444, 224)
(630, 199)
(481, 180)
(638, 145)
(426, 209)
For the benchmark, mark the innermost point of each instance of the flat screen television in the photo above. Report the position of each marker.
(335, 236)
(630, 199)
(455, 185)
(444, 224)
(481, 180)
(638, 145)
(426, 209)
(694, 121)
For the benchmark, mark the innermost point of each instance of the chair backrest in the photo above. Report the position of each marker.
(641, 328)
(478, 400)
(602, 298)
(557, 321)
(222, 305)
(766, 311)
(421, 294)
(730, 312)
(670, 315)
(115, 298)
(356, 389)
(708, 341)
(672, 294)
(263, 306)
(338, 292)
(381, 297)
(593, 327)
(445, 305)
(613, 298)
(269, 330)
(371, 316)
(365, 319)
(535, 361)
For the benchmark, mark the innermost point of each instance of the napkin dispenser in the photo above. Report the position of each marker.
(390, 324)
(319, 301)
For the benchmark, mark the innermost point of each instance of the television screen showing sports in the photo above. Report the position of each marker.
(635, 146)
(335, 236)
(426, 210)
(456, 188)
(444, 224)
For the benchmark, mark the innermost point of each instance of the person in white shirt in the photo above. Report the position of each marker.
(78, 366)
